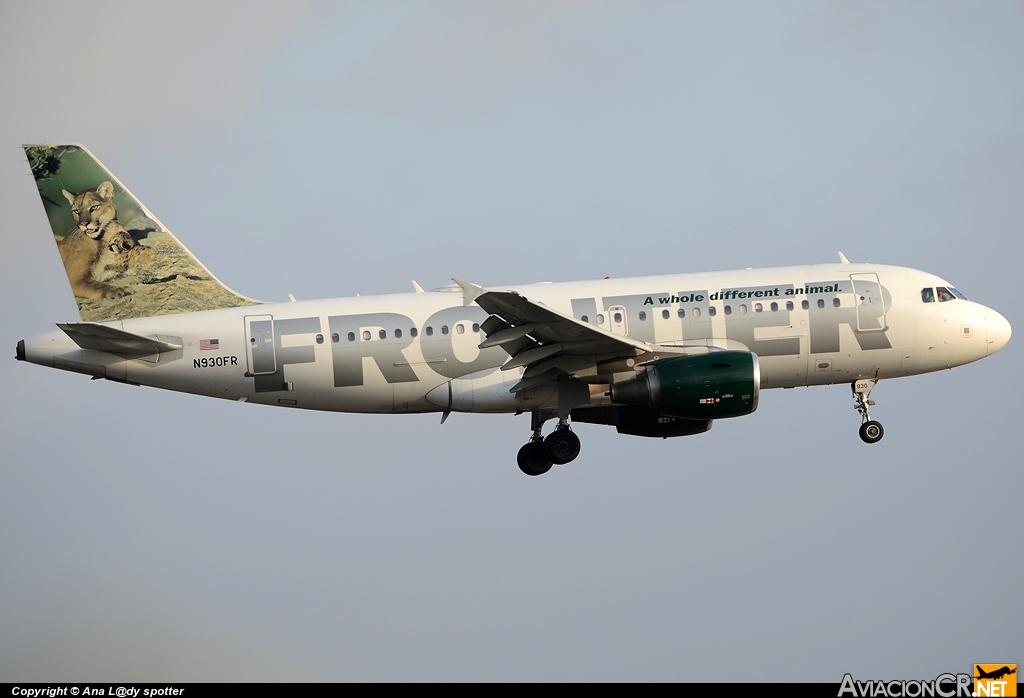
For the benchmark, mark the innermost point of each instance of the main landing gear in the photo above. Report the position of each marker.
(560, 447)
(870, 430)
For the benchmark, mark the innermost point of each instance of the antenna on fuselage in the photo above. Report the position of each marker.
(842, 258)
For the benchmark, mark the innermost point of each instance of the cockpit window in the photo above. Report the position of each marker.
(957, 293)
(944, 294)
(928, 295)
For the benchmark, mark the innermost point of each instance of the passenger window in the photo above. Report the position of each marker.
(398, 334)
(743, 308)
(444, 329)
(476, 326)
(618, 317)
(821, 302)
(413, 332)
(758, 307)
(804, 304)
(835, 302)
(682, 312)
(643, 316)
(600, 319)
(665, 314)
(712, 310)
(944, 294)
(775, 306)
(928, 295)
(696, 312)
(366, 335)
(351, 336)
(460, 328)
(430, 331)
(789, 305)
(728, 310)
(319, 339)
(335, 338)
(583, 318)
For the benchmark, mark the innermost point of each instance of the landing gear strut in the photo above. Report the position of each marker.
(870, 430)
(560, 447)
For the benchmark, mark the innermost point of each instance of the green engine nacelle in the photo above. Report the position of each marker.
(707, 386)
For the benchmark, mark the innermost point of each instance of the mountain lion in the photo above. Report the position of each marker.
(117, 252)
(93, 246)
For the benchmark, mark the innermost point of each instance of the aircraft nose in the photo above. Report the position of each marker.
(998, 331)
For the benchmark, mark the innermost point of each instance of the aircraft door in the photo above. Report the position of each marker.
(867, 297)
(259, 344)
(617, 320)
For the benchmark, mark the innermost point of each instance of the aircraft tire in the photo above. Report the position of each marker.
(562, 446)
(532, 460)
(871, 432)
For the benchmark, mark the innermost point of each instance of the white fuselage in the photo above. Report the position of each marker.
(387, 353)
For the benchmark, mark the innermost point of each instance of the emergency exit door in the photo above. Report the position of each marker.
(617, 320)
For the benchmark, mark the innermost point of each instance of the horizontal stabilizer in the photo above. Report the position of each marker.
(114, 341)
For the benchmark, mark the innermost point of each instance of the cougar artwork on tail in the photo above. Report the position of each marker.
(94, 245)
(120, 260)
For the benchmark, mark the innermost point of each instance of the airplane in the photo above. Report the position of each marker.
(995, 674)
(657, 356)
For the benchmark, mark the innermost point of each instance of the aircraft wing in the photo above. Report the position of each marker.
(550, 327)
(545, 341)
(114, 341)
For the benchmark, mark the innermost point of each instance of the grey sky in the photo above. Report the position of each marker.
(333, 149)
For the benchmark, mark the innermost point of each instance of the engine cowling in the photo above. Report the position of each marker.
(707, 386)
(641, 421)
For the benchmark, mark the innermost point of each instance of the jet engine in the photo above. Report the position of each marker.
(706, 386)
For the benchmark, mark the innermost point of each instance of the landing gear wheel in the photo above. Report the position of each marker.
(532, 460)
(561, 446)
(871, 432)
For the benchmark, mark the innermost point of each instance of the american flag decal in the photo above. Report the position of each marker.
(209, 344)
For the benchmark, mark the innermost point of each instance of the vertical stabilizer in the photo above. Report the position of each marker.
(121, 261)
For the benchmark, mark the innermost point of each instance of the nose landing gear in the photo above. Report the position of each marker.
(560, 447)
(870, 430)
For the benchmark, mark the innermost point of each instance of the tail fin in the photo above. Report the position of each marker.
(121, 261)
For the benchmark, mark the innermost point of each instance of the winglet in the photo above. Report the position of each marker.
(470, 292)
(842, 258)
